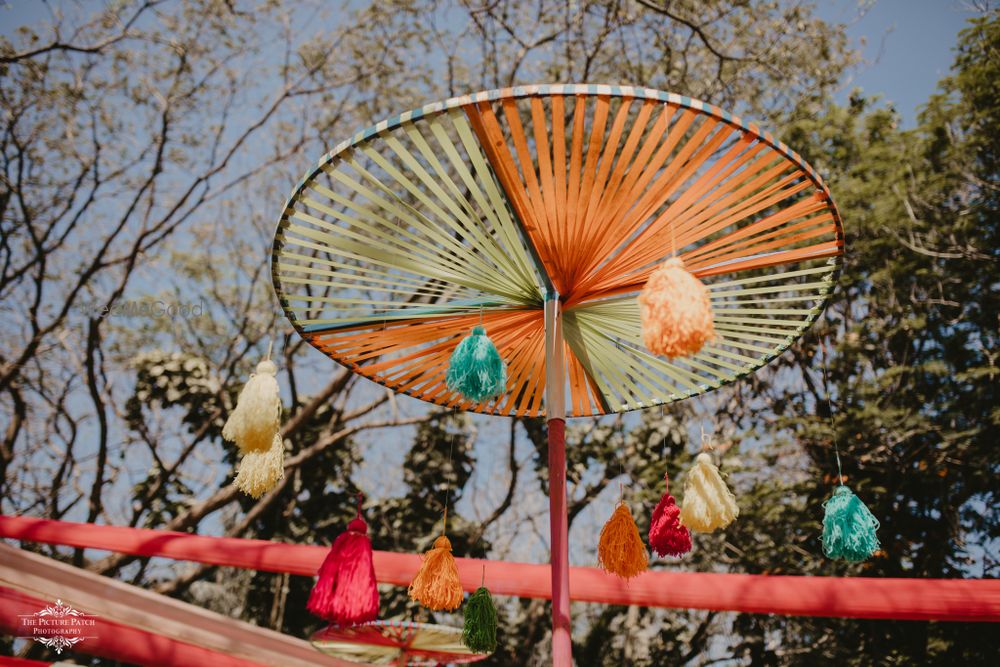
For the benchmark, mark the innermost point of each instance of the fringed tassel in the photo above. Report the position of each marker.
(479, 633)
(475, 369)
(848, 527)
(708, 502)
(620, 550)
(346, 592)
(667, 535)
(676, 311)
(260, 471)
(254, 426)
(436, 585)
(257, 417)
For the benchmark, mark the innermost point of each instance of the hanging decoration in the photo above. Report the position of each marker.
(848, 527)
(708, 502)
(346, 592)
(667, 535)
(479, 634)
(255, 422)
(436, 585)
(620, 550)
(676, 311)
(254, 425)
(260, 471)
(475, 369)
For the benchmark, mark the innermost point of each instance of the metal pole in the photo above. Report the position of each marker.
(555, 408)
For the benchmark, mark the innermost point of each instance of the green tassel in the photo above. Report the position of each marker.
(480, 631)
(848, 527)
(475, 369)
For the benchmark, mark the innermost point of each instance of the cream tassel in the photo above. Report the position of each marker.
(254, 424)
(708, 502)
(260, 471)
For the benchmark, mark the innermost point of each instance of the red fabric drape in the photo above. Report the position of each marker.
(859, 597)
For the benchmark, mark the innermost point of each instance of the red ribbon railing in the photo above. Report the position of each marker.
(858, 597)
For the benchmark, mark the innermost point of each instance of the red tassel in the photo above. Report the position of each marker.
(667, 535)
(346, 592)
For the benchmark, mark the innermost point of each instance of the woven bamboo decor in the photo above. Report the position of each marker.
(475, 210)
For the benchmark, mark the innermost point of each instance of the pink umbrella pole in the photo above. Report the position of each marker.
(555, 406)
(562, 655)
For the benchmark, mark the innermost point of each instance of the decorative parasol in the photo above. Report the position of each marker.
(403, 643)
(539, 212)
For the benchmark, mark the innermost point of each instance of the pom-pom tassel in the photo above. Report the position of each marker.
(475, 369)
(346, 592)
(667, 535)
(436, 585)
(620, 550)
(848, 527)
(708, 502)
(260, 471)
(479, 634)
(257, 417)
(676, 311)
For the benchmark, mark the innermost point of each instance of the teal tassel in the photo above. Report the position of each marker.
(475, 369)
(848, 527)
(480, 631)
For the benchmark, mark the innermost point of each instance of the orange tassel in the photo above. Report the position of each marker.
(436, 585)
(676, 311)
(620, 550)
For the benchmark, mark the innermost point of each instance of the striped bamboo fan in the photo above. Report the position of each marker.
(477, 209)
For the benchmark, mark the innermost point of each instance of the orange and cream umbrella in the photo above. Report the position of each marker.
(540, 212)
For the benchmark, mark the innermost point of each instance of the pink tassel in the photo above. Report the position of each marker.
(346, 592)
(667, 535)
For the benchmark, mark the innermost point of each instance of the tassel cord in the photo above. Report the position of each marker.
(447, 485)
(829, 412)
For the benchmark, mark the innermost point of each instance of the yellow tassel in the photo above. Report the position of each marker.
(620, 550)
(436, 585)
(260, 471)
(254, 423)
(708, 502)
(676, 311)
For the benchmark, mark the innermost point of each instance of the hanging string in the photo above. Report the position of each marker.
(829, 410)
(663, 438)
(706, 441)
(621, 459)
(447, 486)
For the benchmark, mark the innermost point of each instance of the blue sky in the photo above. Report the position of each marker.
(909, 47)
(908, 44)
